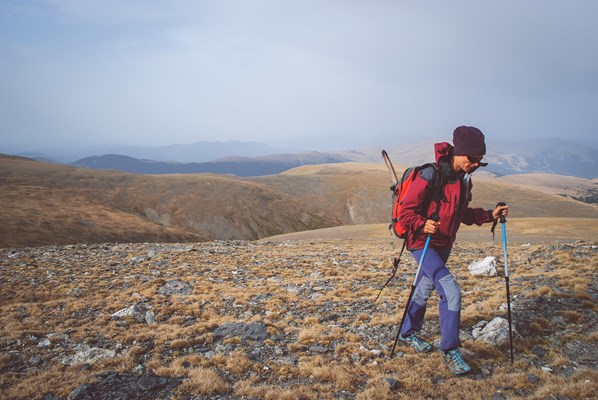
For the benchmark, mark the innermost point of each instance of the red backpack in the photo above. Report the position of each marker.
(399, 191)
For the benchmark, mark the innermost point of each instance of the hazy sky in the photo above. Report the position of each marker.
(157, 72)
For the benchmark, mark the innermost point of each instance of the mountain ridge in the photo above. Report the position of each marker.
(550, 155)
(235, 165)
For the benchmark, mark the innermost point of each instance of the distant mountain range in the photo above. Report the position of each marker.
(239, 166)
(555, 156)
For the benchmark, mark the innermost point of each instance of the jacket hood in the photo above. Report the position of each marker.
(443, 149)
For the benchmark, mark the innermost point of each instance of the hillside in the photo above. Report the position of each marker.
(519, 231)
(585, 190)
(45, 203)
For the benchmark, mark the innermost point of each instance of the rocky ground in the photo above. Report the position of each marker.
(286, 320)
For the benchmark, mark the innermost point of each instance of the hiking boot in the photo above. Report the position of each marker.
(419, 345)
(455, 362)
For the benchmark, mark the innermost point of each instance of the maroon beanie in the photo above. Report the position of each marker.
(468, 141)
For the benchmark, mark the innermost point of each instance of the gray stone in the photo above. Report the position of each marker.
(290, 360)
(329, 318)
(150, 317)
(540, 352)
(79, 393)
(88, 355)
(176, 287)
(35, 360)
(318, 349)
(392, 383)
(496, 332)
(140, 311)
(147, 383)
(252, 330)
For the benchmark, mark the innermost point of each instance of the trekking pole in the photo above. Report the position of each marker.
(503, 220)
(421, 260)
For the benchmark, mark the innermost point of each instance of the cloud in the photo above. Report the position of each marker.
(180, 71)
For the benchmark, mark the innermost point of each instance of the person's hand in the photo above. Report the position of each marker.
(431, 227)
(504, 210)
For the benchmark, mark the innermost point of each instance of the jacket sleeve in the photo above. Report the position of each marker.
(476, 216)
(412, 214)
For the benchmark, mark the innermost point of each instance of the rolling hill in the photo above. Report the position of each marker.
(43, 203)
(239, 166)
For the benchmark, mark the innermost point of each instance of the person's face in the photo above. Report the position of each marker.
(467, 163)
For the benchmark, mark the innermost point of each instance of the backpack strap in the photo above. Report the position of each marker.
(437, 187)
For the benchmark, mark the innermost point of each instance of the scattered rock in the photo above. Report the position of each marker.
(88, 355)
(318, 349)
(79, 393)
(496, 332)
(140, 311)
(252, 330)
(485, 267)
(257, 292)
(113, 385)
(329, 318)
(176, 287)
(540, 352)
(290, 360)
(392, 383)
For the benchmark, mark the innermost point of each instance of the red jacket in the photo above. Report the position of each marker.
(453, 209)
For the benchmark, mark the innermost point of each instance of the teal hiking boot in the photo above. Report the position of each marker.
(419, 345)
(455, 362)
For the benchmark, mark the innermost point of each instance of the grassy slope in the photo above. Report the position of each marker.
(54, 204)
(519, 230)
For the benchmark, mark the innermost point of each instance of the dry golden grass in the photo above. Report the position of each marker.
(205, 381)
(312, 293)
(55, 204)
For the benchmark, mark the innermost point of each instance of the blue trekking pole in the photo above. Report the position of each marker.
(421, 261)
(503, 220)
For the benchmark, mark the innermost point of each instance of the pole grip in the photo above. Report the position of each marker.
(503, 219)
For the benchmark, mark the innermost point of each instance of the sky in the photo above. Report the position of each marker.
(310, 73)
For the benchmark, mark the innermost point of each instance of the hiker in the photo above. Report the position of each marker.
(452, 182)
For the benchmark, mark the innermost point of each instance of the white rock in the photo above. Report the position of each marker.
(476, 332)
(486, 267)
(496, 332)
(88, 355)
